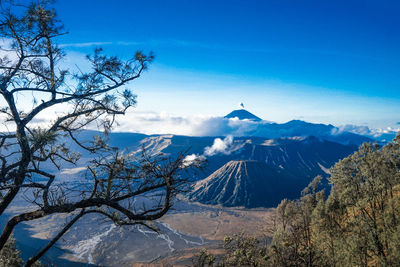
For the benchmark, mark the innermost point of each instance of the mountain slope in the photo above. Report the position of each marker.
(242, 114)
(245, 183)
(303, 158)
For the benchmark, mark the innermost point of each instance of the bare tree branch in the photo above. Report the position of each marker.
(112, 180)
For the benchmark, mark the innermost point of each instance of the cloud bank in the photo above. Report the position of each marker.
(386, 134)
(163, 123)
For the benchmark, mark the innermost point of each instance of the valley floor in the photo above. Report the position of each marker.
(213, 223)
(186, 230)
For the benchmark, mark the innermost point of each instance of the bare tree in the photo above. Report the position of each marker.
(31, 70)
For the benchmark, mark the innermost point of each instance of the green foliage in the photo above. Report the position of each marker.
(242, 250)
(357, 225)
(10, 255)
(292, 244)
(204, 258)
(364, 208)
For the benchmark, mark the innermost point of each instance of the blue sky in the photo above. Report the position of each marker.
(322, 61)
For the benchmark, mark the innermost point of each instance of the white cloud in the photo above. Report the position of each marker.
(163, 123)
(193, 159)
(73, 170)
(363, 130)
(88, 44)
(219, 146)
(384, 133)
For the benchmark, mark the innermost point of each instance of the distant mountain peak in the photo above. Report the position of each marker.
(243, 114)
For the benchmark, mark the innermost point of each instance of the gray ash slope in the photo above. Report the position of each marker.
(245, 183)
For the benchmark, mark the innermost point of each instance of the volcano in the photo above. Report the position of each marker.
(243, 114)
(247, 183)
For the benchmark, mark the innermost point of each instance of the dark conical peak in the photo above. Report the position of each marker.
(243, 114)
(242, 183)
